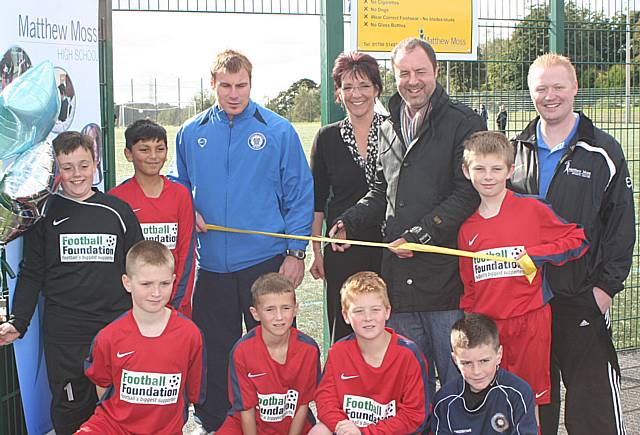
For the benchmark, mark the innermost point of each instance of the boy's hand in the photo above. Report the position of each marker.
(292, 269)
(347, 427)
(401, 253)
(201, 226)
(8, 334)
(602, 299)
(338, 231)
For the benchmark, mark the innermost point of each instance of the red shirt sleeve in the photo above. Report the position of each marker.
(97, 366)
(561, 242)
(309, 381)
(466, 275)
(242, 392)
(195, 374)
(327, 401)
(185, 251)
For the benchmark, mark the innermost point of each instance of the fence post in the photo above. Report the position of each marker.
(106, 93)
(556, 28)
(331, 44)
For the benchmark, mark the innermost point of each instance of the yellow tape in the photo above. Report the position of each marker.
(524, 262)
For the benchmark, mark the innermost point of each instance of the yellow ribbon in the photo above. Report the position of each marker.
(525, 262)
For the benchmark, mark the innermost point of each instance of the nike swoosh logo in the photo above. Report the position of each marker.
(122, 355)
(56, 222)
(135, 210)
(255, 375)
(346, 378)
(539, 395)
(473, 240)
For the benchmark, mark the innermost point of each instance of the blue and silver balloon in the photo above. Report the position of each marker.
(24, 187)
(29, 107)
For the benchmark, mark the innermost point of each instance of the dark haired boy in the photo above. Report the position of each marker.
(75, 256)
(162, 206)
(147, 364)
(274, 368)
(484, 399)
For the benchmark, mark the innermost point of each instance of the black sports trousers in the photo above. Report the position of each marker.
(584, 355)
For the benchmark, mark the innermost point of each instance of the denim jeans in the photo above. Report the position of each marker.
(431, 332)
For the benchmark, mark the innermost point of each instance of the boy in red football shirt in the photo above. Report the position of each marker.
(374, 381)
(162, 206)
(274, 368)
(148, 363)
(509, 225)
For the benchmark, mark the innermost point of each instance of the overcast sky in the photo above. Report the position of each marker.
(168, 46)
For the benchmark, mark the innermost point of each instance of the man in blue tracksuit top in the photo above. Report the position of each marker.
(246, 169)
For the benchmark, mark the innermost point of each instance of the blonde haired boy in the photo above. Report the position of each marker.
(147, 364)
(374, 381)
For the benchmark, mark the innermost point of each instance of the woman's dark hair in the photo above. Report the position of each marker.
(358, 64)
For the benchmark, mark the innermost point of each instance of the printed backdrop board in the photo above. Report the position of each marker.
(65, 33)
(451, 26)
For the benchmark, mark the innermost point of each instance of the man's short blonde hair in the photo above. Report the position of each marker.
(231, 61)
(552, 59)
(363, 283)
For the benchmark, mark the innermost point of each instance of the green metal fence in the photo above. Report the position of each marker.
(601, 37)
(11, 414)
(602, 40)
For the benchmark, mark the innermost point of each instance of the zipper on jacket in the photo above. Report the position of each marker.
(563, 159)
(226, 200)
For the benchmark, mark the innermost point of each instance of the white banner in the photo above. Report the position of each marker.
(65, 33)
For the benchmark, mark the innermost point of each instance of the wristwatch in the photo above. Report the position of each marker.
(300, 254)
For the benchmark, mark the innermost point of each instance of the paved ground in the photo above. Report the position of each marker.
(630, 364)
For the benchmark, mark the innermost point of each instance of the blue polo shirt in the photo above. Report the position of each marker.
(548, 158)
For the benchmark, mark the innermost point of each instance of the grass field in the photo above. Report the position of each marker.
(626, 313)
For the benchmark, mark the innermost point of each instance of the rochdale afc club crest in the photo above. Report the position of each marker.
(257, 141)
(499, 423)
(202, 141)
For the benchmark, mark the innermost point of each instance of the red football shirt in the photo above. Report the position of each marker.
(150, 381)
(170, 220)
(390, 399)
(275, 390)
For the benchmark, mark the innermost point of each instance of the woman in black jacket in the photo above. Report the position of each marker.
(343, 160)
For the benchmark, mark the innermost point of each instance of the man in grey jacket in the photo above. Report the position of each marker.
(420, 195)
